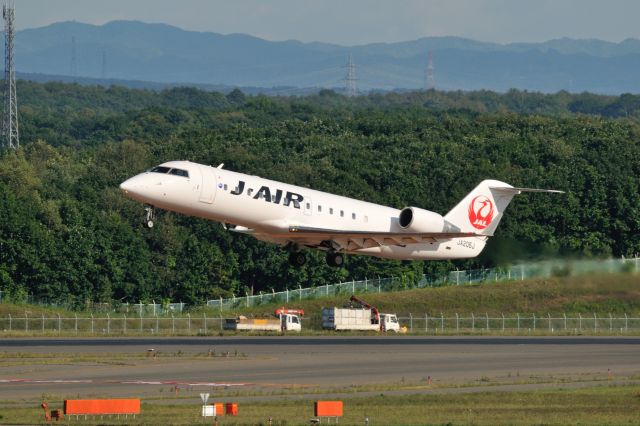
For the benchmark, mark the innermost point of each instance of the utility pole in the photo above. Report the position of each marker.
(429, 79)
(10, 135)
(350, 79)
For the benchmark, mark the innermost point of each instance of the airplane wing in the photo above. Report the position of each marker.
(319, 232)
(352, 239)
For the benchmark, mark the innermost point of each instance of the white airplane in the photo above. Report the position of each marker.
(299, 218)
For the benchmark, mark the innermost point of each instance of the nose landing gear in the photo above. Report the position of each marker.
(149, 215)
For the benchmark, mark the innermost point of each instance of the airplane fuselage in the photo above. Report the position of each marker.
(269, 210)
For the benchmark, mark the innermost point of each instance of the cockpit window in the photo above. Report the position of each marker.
(179, 172)
(160, 169)
(169, 170)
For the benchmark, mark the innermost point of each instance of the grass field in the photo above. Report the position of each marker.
(604, 405)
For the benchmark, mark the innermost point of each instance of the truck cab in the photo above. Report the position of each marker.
(290, 322)
(389, 322)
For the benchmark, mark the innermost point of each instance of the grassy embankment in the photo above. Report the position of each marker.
(602, 294)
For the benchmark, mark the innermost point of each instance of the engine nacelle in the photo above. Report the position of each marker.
(420, 220)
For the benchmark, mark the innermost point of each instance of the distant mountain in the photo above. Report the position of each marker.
(136, 51)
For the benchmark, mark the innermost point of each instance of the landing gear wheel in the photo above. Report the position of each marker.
(335, 259)
(148, 218)
(297, 258)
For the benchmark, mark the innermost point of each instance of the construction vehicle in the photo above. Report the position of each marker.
(284, 320)
(283, 310)
(362, 318)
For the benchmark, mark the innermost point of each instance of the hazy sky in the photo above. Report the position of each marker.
(359, 21)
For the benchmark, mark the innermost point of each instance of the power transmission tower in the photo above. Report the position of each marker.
(103, 74)
(429, 79)
(73, 68)
(350, 79)
(10, 135)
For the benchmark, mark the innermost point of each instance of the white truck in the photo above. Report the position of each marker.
(358, 319)
(283, 322)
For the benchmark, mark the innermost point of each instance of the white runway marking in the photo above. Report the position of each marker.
(43, 381)
(125, 382)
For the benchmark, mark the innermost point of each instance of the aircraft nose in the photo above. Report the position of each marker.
(137, 188)
(130, 187)
(126, 186)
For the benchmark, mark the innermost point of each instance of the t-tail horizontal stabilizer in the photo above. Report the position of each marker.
(519, 190)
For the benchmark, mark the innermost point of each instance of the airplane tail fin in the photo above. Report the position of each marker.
(482, 209)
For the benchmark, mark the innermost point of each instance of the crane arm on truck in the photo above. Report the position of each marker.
(284, 311)
(366, 306)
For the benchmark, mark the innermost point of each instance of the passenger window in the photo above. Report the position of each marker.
(250, 191)
(225, 187)
(341, 213)
(331, 210)
(294, 320)
(319, 208)
(353, 216)
(308, 206)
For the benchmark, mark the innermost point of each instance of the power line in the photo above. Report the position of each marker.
(10, 134)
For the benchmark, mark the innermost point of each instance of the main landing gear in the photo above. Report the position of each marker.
(297, 258)
(335, 259)
(148, 217)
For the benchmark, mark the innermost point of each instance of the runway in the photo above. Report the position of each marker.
(120, 367)
(315, 341)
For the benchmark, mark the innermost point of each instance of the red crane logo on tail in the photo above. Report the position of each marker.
(480, 212)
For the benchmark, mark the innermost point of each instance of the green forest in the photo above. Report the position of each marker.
(68, 235)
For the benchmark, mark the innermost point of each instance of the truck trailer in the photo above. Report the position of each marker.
(358, 319)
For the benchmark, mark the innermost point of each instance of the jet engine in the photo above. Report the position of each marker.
(419, 220)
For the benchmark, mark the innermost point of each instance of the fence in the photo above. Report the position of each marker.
(109, 324)
(522, 323)
(422, 323)
(515, 272)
